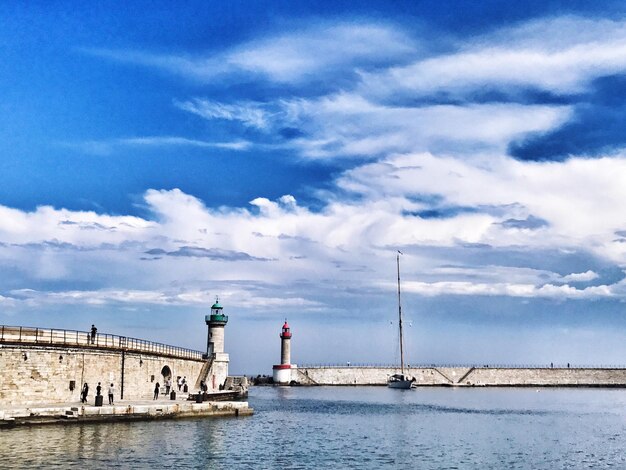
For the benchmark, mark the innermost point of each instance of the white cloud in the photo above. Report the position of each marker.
(250, 114)
(561, 55)
(348, 124)
(171, 297)
(181, 141)
(579, 199)
(509, 290)
(7, 301)
(93, 297)
(581, 277)
(378, 111)
(285, 244)
(285, 58)
(491, 273)
(106, 147)
(291, 57)
(183, 65)
(82, 228)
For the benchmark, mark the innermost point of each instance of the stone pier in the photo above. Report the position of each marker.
(467, 376)
(51, 366)
(131, 411)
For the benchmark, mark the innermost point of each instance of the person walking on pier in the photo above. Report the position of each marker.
(94, 330)
(156, 391)
(84, 393)
(111, 392)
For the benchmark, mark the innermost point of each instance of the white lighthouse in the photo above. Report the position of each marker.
(282, 371)
(215, 355)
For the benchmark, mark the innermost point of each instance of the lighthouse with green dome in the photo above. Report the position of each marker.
(216, 322)
(215, 355)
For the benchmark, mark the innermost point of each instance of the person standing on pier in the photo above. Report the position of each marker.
(156, 391)
(180, 382)
(85, 392)
(111, 392)
(94, 330)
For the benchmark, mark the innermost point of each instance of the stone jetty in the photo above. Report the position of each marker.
(53, 376)
(140, 410)
(466, 376)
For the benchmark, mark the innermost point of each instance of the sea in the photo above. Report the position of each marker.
(353, 427)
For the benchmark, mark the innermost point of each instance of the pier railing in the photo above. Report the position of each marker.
(478, 366)
(83, 339)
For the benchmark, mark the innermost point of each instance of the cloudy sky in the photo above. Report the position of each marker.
(277, 154)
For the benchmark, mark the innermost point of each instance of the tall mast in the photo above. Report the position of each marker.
(400, 317)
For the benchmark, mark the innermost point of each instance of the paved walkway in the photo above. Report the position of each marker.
(123, 410)
(90, 404)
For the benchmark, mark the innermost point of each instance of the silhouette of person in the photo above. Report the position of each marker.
(94, 330)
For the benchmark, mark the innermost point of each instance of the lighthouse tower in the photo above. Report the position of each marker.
(215, 355)
(282, 371)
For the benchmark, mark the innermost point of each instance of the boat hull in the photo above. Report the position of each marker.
(406, 385)
(401, 384)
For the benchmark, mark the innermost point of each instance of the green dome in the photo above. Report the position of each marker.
(216, 305)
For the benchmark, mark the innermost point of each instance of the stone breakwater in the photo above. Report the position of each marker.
(42, 365)
(466, 376)
(47, 374)
(54, 414)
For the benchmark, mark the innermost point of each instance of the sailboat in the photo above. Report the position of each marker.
(400, 380)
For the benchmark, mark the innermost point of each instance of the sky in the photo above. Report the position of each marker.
(277, 154)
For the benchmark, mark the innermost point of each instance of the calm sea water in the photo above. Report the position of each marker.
(353, 427)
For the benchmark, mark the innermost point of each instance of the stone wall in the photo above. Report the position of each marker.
(35, 374)
(547, 377)
(465, 376)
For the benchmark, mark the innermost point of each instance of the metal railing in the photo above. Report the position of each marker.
(477, 366)
(84, 339)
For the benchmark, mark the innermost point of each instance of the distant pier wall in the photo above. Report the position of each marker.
(466, 376)
(51, 366)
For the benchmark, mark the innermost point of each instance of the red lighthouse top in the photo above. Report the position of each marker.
(285, 333)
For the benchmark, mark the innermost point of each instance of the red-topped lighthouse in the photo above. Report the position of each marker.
(282, 371)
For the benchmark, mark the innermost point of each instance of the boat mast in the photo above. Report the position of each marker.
(400, 316)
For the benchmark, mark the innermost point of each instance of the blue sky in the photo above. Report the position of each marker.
(277, 154)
